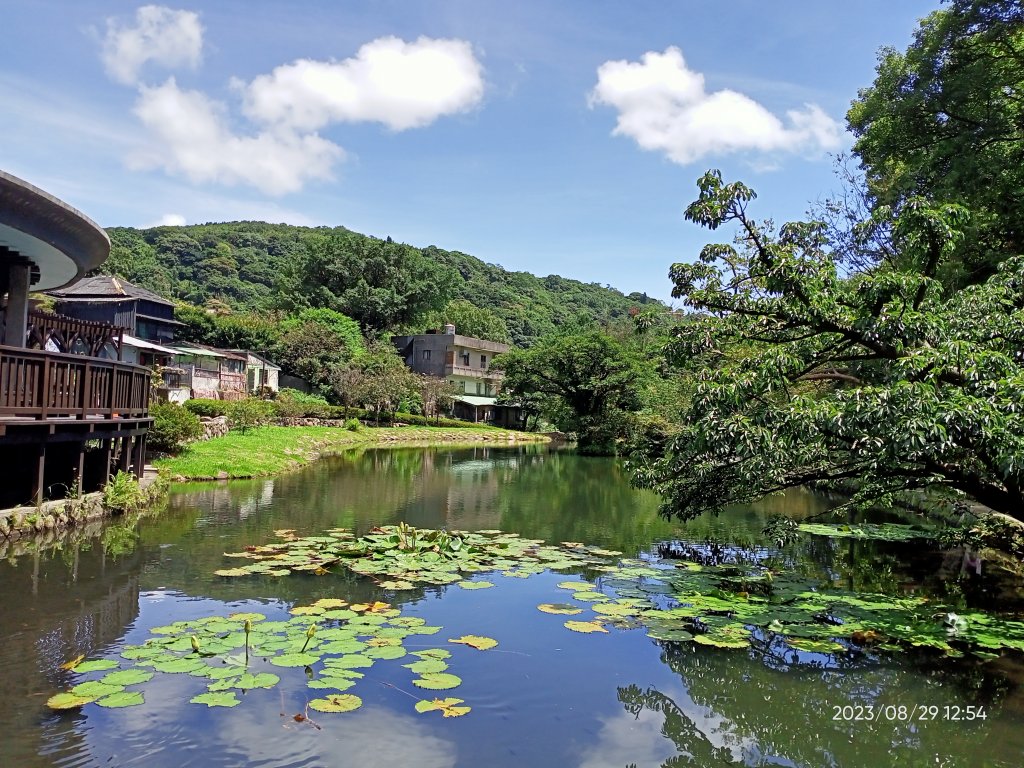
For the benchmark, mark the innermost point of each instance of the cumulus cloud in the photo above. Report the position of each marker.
(160, 35)
(664, 106)
(170, 220)
(402, 85)
(196, 139)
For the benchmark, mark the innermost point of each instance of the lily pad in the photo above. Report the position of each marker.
(576, 586)
(565, 609)
(437, 681)
(95, 689)
(475, 584)
(127, 677)
(585, 627)
(219, 699)
(342, 702)
(476, 641)
(447, 707)
(424, 666)
(96, 665)
(68, 701)
(122, 699)
(294, 660)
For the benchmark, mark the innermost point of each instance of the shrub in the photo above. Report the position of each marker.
(122, 493)
(206, 408)
(248, 413)
(291, 403)
(353, 425)
(173, 427)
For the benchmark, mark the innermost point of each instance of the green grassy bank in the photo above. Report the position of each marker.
(273, 450)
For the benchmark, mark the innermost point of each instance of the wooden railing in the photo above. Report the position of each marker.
(48, 385)
(59, 333)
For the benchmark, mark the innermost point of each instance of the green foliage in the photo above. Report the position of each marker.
(469, 320)
(291, 403)
(173, 426)
(809, 376)
(945, 119)
(378, 380)
(122, 493)
(586, 382)
(247, 413)
(316, 343)
(353, 425)
(206, 408)
(246, 267)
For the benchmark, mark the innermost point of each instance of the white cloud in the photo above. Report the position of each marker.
(169, 220)
(161, 35)
(402, 85)
(664, 106)
(195, 139)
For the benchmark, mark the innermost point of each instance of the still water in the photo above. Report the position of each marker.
(544, 697)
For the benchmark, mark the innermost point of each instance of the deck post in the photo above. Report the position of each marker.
(80, 472)
(38, 474)
(139, 455)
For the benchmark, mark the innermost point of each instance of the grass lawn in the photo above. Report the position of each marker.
(272, 450)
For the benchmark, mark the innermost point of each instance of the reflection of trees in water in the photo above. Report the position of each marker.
(61, 603)
(766, 713)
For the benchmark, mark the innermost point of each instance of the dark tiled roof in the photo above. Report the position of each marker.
(107, 287)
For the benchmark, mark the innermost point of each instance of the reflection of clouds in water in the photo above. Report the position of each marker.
(256, 734)
(639, 739)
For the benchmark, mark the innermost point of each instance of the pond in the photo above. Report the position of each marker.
(544, 696)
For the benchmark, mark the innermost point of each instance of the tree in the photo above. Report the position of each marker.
(945, 120)
(469, 320)
(316, 342)
(588, 379)
(437, 394)
(378, 380)
(809, 377)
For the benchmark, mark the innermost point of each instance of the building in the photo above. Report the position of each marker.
(260, 372)
(205, 372)
(115, 301)
(465, 361)
(71, 409)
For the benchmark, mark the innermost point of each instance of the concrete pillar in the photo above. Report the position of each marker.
(19, 278)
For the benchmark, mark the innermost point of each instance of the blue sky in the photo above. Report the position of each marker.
(560, 138)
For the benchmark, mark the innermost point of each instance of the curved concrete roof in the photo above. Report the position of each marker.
(60, 240)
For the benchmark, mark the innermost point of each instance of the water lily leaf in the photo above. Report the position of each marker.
(95, 689)
(434, 653)
(616, 609)
(122, 699)
(342, 646)
(339, 614)
(350, 661)
(661, 632)
(437, 681)
(814, 646)
(243, 571)
(127, 677)
(68, 701)
(424, 666)
(475, 584)
(307, 610)
(342, 702)
(260, 680)
(179, 664)
(576, 586)
(219, 699)
(564, 609)
(447, 707)
(585, 627)
(476, 641)
(396, 584)
(725, 637)
(294, 660)
(589, 596)
(424, 630)
(330, 602)
(385, 652)
(73, 663)
(92, 666)
(337, 683)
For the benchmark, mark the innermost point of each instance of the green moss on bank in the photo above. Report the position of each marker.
(272, 450)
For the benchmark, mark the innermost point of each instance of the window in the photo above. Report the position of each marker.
(465, 359)
(426, 355)
(483, 361)
(479, 388)
(466, 387)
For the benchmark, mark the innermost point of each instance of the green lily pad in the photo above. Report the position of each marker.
(95, 689)
(437, 681)
(564, 609)
(294, 660)
(585, 627)
(342, 702)
(576, 586)
(219, 699)
(433, 653)
(179, 664)
(424, 666)
(447, 707)
(475, 584)
(386, 652)
(97, 665)
(127, 677)
(122, 699)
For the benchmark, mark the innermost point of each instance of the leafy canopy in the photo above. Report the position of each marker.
(808, 376)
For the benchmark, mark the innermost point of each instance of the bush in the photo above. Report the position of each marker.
(207, 408)
(173, 427)
(248, 413)
(122, 493)
(291, 403)
(353, 425)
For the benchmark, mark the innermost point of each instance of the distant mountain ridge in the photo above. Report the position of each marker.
(242, 264)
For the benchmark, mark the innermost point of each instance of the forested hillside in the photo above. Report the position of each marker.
(385, 286)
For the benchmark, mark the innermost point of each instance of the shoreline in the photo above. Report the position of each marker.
(272, 450)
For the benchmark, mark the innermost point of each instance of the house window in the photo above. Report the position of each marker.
(466, 387)
(479, 388)
(465, 359)
(483, 361)
(426, 355)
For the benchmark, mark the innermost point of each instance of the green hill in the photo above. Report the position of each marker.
(386, 286)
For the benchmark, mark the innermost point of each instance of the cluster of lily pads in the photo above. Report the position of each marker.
(331, 640)
(878, 531)
(402, 557)
(725, 605)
